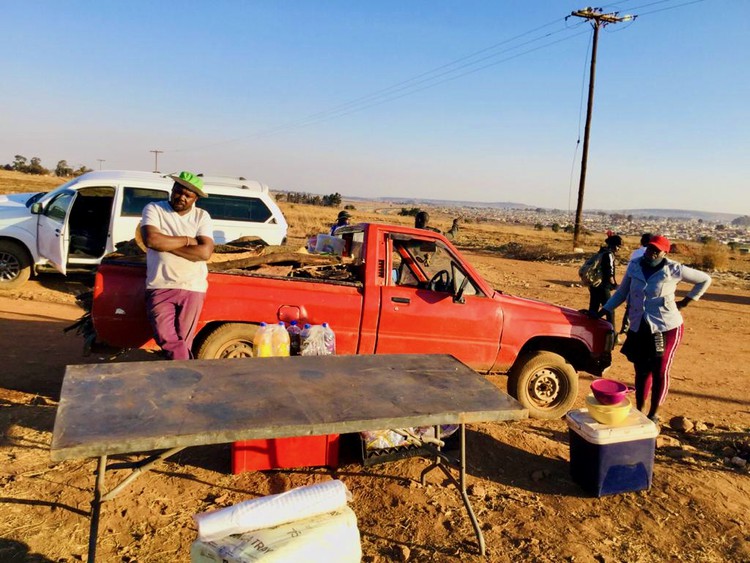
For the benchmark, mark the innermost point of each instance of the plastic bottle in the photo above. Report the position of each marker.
(329, 338)
(309, 341)
(294, 338)
(262, 342)
(280, 340)
(304, 336)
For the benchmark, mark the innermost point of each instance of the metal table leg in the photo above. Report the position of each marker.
(460, 483)
(100, 497)
(96, 506)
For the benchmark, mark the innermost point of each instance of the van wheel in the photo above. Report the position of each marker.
(229, 340)
(544, 383)
(15, 265)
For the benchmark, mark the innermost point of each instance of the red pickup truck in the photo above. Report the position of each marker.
(404, 291)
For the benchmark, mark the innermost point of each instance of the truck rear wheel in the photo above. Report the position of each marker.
(544, 383)
(15, 265)
(230, 340)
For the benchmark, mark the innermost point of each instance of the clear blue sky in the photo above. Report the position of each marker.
(229, 87)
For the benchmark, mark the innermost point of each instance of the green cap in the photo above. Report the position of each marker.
(190, 181)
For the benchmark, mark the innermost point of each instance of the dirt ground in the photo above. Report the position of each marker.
(698, 508)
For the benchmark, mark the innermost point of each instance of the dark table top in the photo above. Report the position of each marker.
(117, 408)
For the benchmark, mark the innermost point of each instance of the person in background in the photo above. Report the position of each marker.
(641, 250)
(341, 220)
(453, 231)
(599, 295)
(421, 220)
(179, 241)
(637, 253)
(656, 324)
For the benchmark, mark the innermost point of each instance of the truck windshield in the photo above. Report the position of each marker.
(47, 196)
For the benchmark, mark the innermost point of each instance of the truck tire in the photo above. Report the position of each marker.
(15, 265)
(544, 383)
(229, 340)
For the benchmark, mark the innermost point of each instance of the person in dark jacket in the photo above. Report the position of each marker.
(600, 294)
(421, 220)
(341, 220)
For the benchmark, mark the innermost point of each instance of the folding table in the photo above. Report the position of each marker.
(138, 407)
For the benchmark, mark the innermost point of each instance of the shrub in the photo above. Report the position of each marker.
(712, 255)
(531, 253)
(409, 212)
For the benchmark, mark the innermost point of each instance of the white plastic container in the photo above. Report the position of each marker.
(273, 510)
(327, 244)
(332, 537)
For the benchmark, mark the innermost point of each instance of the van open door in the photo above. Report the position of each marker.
(53, 233)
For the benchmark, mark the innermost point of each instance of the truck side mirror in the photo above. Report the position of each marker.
(36, 208)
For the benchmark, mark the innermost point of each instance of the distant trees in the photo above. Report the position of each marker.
(34, 166)
(63, 170)
(330, 200)
(409, 212)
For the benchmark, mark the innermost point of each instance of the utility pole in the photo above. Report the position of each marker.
(156, 160)
(597, 19)
(100, 160)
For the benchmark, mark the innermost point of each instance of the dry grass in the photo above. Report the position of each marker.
(17, 182)
(508, 240)
(709, 256)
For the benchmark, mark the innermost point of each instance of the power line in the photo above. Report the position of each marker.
(409, 86)
(425, 80)
(411, 91)
(665, 8)
(580, 118)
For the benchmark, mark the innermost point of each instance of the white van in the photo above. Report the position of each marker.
(76, 224)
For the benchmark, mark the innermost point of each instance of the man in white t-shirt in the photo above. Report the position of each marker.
(179, 238)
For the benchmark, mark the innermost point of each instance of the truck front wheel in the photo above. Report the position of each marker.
(544, 383)
(230, 340)
(15, 265)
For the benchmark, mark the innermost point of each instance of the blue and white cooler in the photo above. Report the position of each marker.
(606, 460)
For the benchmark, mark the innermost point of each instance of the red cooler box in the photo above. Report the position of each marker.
(285, 453)
(606, 460)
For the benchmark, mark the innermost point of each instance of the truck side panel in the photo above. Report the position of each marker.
(119, 311)
(248, 298)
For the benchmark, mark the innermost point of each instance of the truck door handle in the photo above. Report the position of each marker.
(400, 299)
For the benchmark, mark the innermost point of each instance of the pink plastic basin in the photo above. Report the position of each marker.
(608, 391)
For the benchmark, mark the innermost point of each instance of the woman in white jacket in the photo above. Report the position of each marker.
(656, 324)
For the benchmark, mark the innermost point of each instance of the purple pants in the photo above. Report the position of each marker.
(174, 316)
